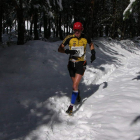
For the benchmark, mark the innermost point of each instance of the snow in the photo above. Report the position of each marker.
(35, 91)
(48, 3)
(60, 4)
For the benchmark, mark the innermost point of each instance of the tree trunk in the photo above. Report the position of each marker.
(31, 25)
(49, 29)
(68, 29)
(7, 30)
(27, 27)
(57, 27)
(101, 31)
(31, 28)
(53, 32)
(113, 28)
(123, 30)
(67, 23)
(45, 25)
(64, 29)
(15, 25)
(10, 28)
(106, 30)
(3, 26)
(40, 28)
(88, 30)
(35, 26)
(21, 24)
(60, 30)
(139, 25)
(1, 14)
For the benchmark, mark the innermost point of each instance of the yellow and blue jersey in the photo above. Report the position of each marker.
(78, 44)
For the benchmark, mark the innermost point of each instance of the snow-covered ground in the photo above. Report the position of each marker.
(35, 91)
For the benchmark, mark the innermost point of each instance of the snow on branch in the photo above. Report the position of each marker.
(48, 3)
(128, 10)
(59, 2)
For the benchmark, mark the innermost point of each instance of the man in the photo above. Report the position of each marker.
(77, 60)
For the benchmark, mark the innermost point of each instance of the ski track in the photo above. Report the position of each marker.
(106, 114)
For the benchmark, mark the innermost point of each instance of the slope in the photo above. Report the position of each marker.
(35, 90)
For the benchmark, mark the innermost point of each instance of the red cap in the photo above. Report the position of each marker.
(77, 26)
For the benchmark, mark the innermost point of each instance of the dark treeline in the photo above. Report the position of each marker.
(99, 18)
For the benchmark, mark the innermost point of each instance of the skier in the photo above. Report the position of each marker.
(77, 60)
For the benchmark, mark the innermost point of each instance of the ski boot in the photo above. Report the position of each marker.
(78, 99)
(70, 109)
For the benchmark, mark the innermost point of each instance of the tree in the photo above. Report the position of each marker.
(1, 14)
(129, 8)
(21, 23)
(99, 17)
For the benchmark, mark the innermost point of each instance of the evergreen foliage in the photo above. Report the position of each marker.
(99, 18)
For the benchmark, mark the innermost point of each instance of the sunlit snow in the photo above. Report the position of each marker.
(35, 91)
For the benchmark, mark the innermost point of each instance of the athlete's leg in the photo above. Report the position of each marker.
(72, 78)
(76, 80)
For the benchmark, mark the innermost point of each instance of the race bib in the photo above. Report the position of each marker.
(80, 51)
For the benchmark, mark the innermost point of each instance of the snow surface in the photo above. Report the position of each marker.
(35, 91)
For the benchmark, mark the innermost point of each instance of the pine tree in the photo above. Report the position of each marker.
(1, 14)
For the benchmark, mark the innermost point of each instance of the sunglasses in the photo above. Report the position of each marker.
(76, 30)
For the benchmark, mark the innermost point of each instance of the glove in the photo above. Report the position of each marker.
(72, 52)
(93, 57)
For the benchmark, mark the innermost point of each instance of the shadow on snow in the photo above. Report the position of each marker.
(137, 78)
(136, 120)
(28, 79)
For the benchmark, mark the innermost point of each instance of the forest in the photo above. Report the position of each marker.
(36, 19)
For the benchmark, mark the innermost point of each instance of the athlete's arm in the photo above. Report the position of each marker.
(91, 46)
(67, 51)
(93, 57)
(61, 48)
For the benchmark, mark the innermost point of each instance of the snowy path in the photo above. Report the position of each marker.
(35, 91)
(108, 114)
(119, 104)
